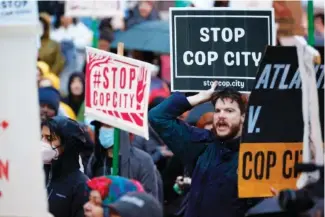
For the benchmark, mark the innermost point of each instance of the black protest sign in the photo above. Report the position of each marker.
(273, 129)
(220, 44)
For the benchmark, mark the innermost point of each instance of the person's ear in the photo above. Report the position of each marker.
(242, 118)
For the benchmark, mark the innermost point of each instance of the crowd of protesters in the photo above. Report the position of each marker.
(188, 167)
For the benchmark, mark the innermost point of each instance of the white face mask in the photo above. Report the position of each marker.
(48, 153)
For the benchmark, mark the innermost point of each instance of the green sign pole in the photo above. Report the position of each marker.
(117, 132)
(310, 11)
(94, 28)
(116, 151)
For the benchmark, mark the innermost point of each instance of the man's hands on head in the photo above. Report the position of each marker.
(202, 96)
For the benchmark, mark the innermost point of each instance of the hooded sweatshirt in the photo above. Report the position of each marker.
(66, 184)
(75, 102)
(134, 163)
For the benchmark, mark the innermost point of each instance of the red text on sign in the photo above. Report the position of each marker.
(4, 169)
(126, 75)
(121, 100)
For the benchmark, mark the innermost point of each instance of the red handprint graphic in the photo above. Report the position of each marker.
(141, 86)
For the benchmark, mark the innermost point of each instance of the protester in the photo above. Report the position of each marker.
(76, 92)
(49, 79)
(183, 182)
(49, 100)
(46, 77)
(105, 39)
(319, 29)
(142, 12)
(105, 190)
(70, 29)
(62, 141)
(50, 105)
(50, 51)
(134, 163)
(214, 153)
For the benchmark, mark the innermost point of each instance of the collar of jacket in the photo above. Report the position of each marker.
(232, 144)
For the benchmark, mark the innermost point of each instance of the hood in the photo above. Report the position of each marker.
(82, 78)
(47, 75)
(73, 139)
(125, 145)
(46, 20)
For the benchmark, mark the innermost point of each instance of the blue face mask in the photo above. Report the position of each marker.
(106, 137)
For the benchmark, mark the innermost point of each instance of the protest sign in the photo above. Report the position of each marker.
(218, 44)
(18, 12)
(94, 8)
(273, 129)
(22, 182)
(117, 91)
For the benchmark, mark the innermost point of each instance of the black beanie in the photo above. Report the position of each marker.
(106, 34)
(49, 96)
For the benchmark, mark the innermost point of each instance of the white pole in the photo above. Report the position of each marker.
(22, 182)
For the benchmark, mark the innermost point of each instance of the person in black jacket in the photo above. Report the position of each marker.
(62, 141)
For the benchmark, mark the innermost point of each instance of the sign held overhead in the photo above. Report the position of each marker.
(218, 44)
(272, 138)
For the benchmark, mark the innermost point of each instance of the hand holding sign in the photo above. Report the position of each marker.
(202, 96)
(141, 86)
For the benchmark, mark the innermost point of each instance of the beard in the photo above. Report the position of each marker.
(232, 132)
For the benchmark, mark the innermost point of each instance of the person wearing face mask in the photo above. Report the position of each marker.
(133, 163)
(62, 140)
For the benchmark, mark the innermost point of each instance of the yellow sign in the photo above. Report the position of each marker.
(265, 165)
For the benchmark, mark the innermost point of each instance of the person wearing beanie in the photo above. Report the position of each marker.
(136, 204)
(105, 190)
(49, 100)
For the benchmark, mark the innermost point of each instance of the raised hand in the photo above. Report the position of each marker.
(202, 96)
(141, 86)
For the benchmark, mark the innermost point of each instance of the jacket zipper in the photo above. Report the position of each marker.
(49, 180)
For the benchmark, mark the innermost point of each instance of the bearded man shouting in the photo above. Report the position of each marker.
(213, 154)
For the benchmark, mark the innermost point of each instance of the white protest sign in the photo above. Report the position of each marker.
(117, 91)
(18, 12)
(94, 8)
(22, 182)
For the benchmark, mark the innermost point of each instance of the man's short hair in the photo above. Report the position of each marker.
(230, 93)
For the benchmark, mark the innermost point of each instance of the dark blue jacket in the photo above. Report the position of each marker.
(67, 193)
(66, 184)
(213, 190)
